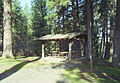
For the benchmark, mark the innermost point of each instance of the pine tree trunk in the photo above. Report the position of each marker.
(75, 29)
(111, 29)
(101, 45)
(77, 9)
(103, 38)
(7, 46)
(59, 26)
(116, 51)
(106, 26)
(92, 27)
(89, 29)
(89, 32)
(63, 20)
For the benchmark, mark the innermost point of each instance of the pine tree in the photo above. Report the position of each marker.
(39, 26)
(7, 49)
(19, 28)
(116, 51)
(89, 29)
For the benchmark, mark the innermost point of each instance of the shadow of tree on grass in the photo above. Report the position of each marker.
(102, 72)
(15, 68)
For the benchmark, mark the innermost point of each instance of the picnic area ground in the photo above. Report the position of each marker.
(56, 70)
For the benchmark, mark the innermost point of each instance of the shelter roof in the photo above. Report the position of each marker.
(67, 36)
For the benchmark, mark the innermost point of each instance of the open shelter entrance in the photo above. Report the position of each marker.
(58, 37)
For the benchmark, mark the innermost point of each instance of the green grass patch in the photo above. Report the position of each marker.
(108, 70)
(19, 63)
(22, 63)
(100, 74)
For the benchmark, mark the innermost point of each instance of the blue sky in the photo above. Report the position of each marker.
(24, 2)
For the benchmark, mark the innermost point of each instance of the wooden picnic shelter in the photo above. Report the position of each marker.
(58, 37)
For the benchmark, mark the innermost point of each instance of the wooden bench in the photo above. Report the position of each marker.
(63, 53)
(49, 54)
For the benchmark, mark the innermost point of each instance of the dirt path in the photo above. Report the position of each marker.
(42, 74)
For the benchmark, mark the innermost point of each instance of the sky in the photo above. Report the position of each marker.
(24, 2)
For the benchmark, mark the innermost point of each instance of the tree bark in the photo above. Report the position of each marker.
(103, 23)
(7, 46)
(77, 9)
(92, 27)
(111, 28)
(103, 46)
(75, 29)
(89, 31)
(100, 51)
(116, 51)
(106, 26)
(63, 15)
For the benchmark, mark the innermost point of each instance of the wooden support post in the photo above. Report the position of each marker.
(60, 46)
(70, 50)
(43, 49)
(85, 47)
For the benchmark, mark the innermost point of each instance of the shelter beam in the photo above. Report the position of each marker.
(43, 49)
(70, 49)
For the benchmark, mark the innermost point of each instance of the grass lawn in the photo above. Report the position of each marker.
(20, 63)
(100, 74)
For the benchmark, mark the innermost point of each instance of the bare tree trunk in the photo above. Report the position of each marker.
(111, 28)
(74, 16)
(106, 47)
(63, 20)
(116, 51)
(89, 29)
(26, 43)
(92, 27)
(59, 26)
(89, 32)
(103, 18)
(7, 46)
(100, 51)
(77, 9)
(1, 25)
(103, 38)
(106, 27)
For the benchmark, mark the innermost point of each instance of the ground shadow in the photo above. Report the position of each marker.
(102, 69)
(15, 68)
(106, 70)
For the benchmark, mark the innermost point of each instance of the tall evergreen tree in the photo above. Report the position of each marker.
(112, 16)
(38, 21)
(19, 28)
(116, 52)
(7, 51)
(89, 31)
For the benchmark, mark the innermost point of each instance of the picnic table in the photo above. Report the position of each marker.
(55, 53)
(64, 53)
